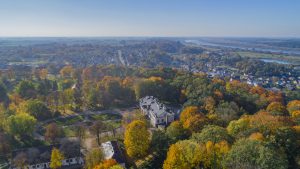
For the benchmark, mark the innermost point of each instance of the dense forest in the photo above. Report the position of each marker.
(223, 124)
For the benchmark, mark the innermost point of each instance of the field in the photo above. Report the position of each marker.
(293, 59)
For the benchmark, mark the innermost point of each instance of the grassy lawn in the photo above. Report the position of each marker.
(115, 124)
(106, 116)
(69, 120)
(69, 131)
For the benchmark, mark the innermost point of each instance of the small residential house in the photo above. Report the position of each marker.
(111, 150)
(40, 157)
(157, 112)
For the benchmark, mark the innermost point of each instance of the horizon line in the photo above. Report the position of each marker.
(155, 36)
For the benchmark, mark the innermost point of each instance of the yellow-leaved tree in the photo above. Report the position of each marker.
(215, 154)
(137, 139)
(106, 164)
(56, 159)
(184, 154)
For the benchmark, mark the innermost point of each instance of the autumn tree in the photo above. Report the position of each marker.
(184, 154)
(43, 73)
(227, 111)
(257, 136)
(239, 128)
(37, 109)
(5, 144)
(215, 154)
(137, 139)
(176, 131)
(188, 112)
(52, 132)
(67, 71)
(195, 123)
(56, 159)
(277, 108)
(21, 160)
(3, 94)
(266, 122)
(21, 124)
(106, 164)
(26, 89)
(212, 133)
(118, 166)
(286, 138)
(80, 133)
(97, 128)
(254, 154)
(93, 158)
(209, 104)
(130, 116)
(257, 90)
(293, 105)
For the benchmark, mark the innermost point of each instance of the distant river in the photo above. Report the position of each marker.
(276, 61)
(200, 42)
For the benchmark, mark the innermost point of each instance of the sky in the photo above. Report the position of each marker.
(162, 18)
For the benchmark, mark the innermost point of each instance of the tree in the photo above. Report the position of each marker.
(254, 154)
(93, 100)
(116, 167)
(227, 111)
(128, 117)
(159, 144)
(106, 164)
(238, 127)
(137, 139)
(277, 108)
(286, 138)
(188, 112)
(26, 89)
(209, 104)
(80, 133)
(21, 124)
(212, 133)
(52, 132)
(56, 159)
(93, 158)
(296, 116)
(21, 160)
(67, 71)
(293, 105)
(5, 145)
(43, 73)
(195, 123)
(184, 154)
(176, 131)
(97, 128)
(215, 154)
(3, 94)
(158, 88)
(257, 136)
(37, 109)
(267, 123)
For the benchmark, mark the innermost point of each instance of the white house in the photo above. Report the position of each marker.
(157, 112)
(111, 150)
(39, 158)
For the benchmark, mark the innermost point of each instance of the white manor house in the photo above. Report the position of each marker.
(157, 112)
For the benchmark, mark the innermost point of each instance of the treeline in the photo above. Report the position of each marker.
(224, 124)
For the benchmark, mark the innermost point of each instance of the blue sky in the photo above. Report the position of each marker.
(241, 18)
